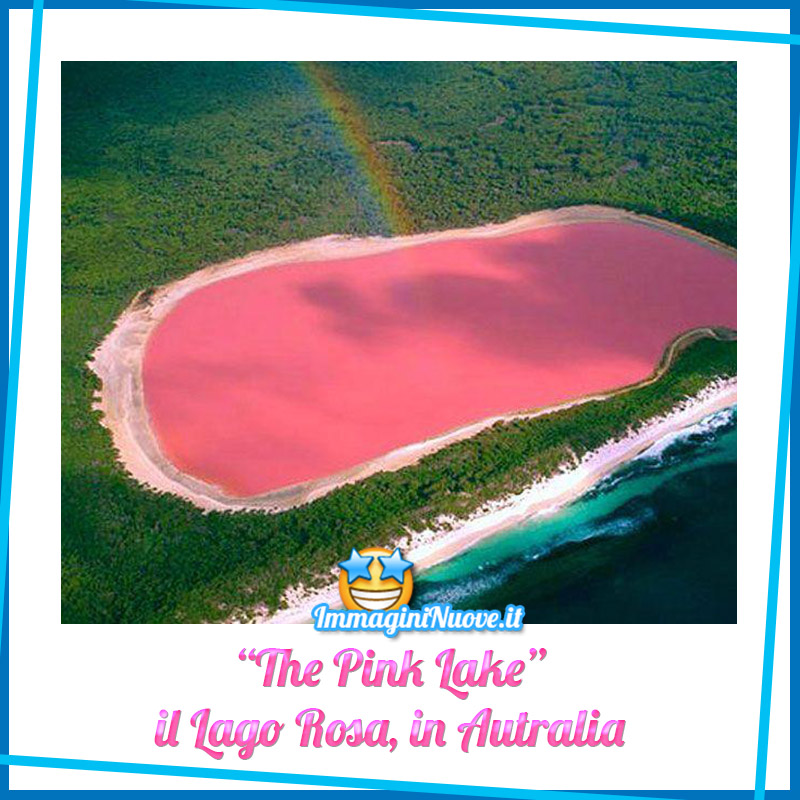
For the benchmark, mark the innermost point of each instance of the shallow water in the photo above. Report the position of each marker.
(653, 542)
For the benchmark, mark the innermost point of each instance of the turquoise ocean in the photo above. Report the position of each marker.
(655, 541)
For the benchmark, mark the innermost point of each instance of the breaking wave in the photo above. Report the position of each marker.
(701, 433)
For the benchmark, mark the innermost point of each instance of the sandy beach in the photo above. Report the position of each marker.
(119, 359)
(430, 547)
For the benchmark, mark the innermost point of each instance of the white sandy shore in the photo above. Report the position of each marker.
(118, 359)
(430, 547)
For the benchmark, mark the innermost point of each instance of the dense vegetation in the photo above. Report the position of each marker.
(167, 167)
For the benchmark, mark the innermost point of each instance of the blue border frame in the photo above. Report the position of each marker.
(404, 9)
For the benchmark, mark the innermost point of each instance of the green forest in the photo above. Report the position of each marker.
(167, 167)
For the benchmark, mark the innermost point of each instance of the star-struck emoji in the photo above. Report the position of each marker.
(375, 579)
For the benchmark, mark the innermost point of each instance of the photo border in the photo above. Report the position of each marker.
(402, 9)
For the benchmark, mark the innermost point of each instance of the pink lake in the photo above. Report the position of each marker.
(296, 372)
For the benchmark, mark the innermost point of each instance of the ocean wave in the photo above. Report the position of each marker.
(701, 432)
(492, 574)
(669, 449)
(456, 592)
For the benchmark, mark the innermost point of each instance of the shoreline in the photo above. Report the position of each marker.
(431, 547)
(118, 360)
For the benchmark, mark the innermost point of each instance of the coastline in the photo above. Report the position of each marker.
(119, 358)
(430, 547)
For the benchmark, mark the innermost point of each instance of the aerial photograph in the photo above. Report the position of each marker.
(483, 313)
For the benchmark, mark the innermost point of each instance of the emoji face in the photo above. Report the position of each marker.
(375, 579)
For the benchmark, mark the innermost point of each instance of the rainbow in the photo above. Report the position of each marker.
(349, 120)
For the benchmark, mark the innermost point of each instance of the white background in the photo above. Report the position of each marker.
(689, 694)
